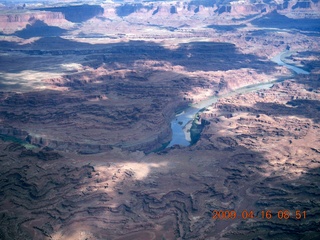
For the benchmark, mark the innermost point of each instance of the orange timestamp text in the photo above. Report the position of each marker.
(264, 214)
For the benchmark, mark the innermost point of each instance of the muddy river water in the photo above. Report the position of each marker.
(182, 122)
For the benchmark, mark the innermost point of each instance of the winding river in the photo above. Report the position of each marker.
(182, 122)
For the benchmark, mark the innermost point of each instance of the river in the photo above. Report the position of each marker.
(182, 122)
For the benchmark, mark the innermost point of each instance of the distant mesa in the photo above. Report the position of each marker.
(77, 14)
(127, 9)
(39, 28)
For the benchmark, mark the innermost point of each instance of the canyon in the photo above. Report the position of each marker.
(88, 91)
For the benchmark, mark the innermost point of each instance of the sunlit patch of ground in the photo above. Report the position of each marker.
(27, 81)
(20, 72)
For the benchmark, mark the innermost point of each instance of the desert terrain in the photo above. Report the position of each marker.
(89, 92)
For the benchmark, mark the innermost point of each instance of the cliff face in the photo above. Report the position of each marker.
(9, 23)
(64, 17)
(158, 12)
(24, 18)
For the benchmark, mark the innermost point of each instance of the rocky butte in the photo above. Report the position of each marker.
(92, 95)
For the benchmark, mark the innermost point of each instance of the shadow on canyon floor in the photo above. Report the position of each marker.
(194, 56)
(298, 107)
(276, 20)
(76, 14)
(40, 29)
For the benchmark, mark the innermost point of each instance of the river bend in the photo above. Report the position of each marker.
(182, 122)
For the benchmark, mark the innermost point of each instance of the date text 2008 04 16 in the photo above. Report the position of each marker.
(264, 214)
